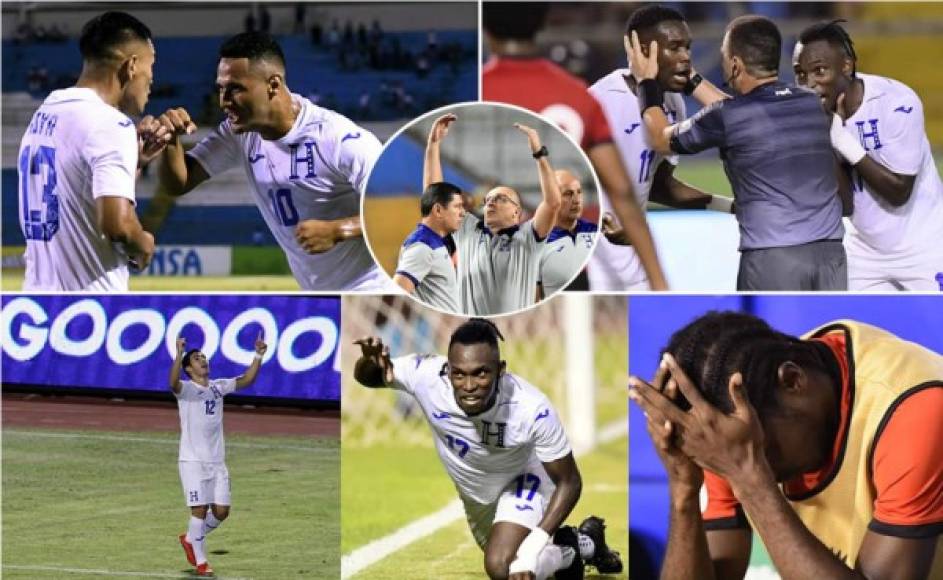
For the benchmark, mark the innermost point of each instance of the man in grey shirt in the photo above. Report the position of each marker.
(425, 268)
(774, 140)
(571, 239)
(499, 256)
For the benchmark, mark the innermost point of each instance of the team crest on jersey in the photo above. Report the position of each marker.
(487, 433)
(869, 137)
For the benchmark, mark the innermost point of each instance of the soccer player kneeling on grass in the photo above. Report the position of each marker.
(203, 470)
(502, 444)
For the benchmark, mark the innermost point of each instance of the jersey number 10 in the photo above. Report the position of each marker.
(283, 206)
(36, 225)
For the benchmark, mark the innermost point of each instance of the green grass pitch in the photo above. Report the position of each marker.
(112, 502)
(12, 281)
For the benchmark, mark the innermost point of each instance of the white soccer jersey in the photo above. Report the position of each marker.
(483, 453)
(317, 171)
(890, 126)
(612, 267)
(201, 419)
(76, 149)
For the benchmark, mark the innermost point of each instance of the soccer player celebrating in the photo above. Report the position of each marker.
(499, 256)
(78, 161)
(502, 444)
(895, 243)
(570, 240)
(612, 267)
(202, 459)
(308, 166)
(517, 74)
(808, 440)
(425, 266)
(789, 189)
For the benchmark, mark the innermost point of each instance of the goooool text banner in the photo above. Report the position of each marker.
(128, 342)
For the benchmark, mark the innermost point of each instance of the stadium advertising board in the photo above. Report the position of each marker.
(128, 342)
(190, 261)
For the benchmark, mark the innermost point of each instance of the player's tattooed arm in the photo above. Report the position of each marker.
(319, 236)
(119, 223)
(374, 368)
(432, 163)
(175, 385)
(252, 372)
(551, 199)
(178, 173)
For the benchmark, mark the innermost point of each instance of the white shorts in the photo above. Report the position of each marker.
(872, 271)
(522, 502)
(615, 268)
(205, 483)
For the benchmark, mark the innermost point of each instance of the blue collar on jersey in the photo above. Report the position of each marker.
(425, 235)
(582, 226)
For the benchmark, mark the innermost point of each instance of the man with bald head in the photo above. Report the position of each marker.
(308, 166)
(499, 255)
(571, 239)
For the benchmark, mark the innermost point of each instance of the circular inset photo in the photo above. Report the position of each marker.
(482, 209)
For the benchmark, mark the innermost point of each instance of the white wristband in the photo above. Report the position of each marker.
(528, 551)
(843, 142)
(258, 356)
(721, 204)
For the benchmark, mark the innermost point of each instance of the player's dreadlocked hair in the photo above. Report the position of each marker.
(253, 46)
(650, 16)
(834, 34)
(476, 331)
(716, 345)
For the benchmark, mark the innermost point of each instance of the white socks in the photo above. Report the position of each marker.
(553, 558)
(195, 536)
(587, 547)
(211, 522)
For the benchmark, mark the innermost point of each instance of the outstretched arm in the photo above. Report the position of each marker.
(546, 214)
(432, 164)
(374, 368)
(252, 372)
(175, 385)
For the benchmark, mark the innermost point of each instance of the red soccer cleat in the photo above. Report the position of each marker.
(188, 549)
(204, 570)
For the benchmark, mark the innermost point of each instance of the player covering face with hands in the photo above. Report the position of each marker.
(203, 471)
(504, 448)
(810, 441)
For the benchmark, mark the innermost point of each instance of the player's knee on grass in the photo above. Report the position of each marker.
(221, 511)
(503, 541)
(198, 511)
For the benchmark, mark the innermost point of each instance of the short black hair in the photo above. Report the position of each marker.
(514, 20)
(476, 331)
(757, 41)
(440, 193)
(253, 46)
(650, 16)
(106, 32)
(716, 345)
(186, 359)
(834, 34)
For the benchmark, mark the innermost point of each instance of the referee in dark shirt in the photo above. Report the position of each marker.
(774, 143)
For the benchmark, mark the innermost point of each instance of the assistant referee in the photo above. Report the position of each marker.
(774, 142)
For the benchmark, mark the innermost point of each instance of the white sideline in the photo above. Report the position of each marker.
(378, 549)
(7, 432)
(108, 572)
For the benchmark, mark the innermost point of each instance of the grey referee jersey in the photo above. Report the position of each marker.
(497, 271)
(426, 261)
(564, 254)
